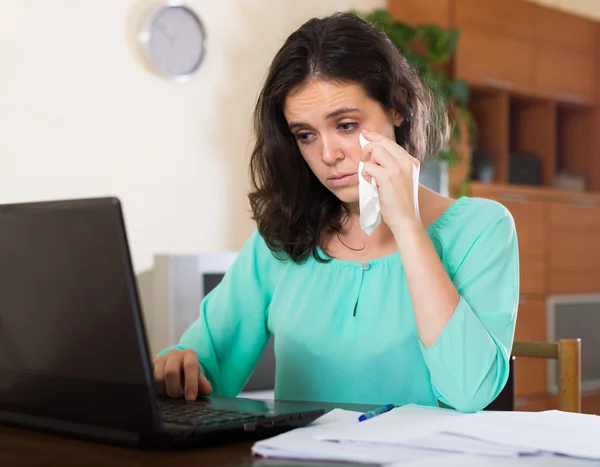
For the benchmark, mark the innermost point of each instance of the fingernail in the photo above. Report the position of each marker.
(190, 395)
(367, 132)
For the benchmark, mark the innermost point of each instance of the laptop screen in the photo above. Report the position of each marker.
(72, 342)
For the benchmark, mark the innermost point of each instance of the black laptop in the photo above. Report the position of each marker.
(74, 357)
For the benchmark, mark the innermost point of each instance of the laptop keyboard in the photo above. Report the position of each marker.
(194, 414)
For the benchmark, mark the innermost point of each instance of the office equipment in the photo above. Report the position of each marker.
(524, 168)
(180, 282)
(73, 350)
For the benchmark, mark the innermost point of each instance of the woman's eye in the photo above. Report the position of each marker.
(303, 137)
(348, 126)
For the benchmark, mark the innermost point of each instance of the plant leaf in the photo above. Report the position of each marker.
(458, 90)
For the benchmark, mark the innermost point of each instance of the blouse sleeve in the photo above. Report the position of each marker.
(469, 362)
(231, 332)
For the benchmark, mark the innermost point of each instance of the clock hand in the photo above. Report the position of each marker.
(166, 33)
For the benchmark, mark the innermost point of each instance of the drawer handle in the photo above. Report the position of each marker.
(497, 83)
(584, 203)
(518, 197)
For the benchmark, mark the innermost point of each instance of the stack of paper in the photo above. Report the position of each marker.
(417, 435)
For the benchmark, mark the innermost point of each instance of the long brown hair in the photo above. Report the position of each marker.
(293, 210)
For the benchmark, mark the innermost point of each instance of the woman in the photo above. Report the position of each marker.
(422, 310)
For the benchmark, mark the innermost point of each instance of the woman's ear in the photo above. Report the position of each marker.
(397, 116)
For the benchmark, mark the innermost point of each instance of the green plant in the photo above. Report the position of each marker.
(428, 48)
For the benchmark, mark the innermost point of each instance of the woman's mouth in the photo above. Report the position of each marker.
(345, 179)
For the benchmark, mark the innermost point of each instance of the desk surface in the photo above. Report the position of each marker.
(28, 448)
(20, 448)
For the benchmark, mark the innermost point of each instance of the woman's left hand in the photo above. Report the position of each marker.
(393, 170)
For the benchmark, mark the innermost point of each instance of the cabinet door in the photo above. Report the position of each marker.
(558, 28)
(531, 373)
(494, 60)
(506, 18)
(574, 249)
(529, 223)
(421, 12)
(567, 75)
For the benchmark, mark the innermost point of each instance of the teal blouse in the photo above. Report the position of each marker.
(345, 331)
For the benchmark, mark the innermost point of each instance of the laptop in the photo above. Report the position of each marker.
(74, 355)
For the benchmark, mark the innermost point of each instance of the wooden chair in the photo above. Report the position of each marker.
(568, 354)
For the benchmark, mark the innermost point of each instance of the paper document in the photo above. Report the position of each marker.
(397, 426)
(415, 435)
(525, 433)
(419, 427)
(303, 443)
(557, 432)
(468, 460)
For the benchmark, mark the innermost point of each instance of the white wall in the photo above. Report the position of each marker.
(79, 116)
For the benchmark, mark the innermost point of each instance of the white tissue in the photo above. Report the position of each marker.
(368, 198)
(368, 195)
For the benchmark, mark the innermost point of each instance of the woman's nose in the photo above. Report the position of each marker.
(331, 152)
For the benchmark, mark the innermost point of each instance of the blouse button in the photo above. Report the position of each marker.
(365, 265)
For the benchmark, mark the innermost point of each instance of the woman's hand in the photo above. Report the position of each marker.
(178, 373)
(394, 172)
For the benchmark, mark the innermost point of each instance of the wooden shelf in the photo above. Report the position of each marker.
(574, 128)
(490, 110)
(532, 131)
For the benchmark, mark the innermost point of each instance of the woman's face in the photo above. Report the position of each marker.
(326, 119)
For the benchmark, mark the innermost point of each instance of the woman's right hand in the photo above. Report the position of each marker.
(178, 372)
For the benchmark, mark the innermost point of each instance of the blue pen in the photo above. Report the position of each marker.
(375, 412)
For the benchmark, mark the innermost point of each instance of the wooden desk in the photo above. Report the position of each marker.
(20, 448)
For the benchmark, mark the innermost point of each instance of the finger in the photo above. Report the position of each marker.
(371, 169)
(204, 386)
(159, 375)
(375, 139)
(383, 158)
(191, 370)
(173, 375)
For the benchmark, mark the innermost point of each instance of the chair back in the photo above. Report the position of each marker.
(568, 354)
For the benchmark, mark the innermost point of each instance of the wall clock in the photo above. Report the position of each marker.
(173, 40)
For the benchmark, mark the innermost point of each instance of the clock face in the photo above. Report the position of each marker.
(176, 41)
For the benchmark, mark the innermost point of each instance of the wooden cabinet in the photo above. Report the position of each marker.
(528, 215)
(422, 12)
(560, 29)
(559, 237)
(531, 373)
(495, 48)
(495, 61)
(499, 18)
(574, 246)
(516, 45)
(568, 76)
